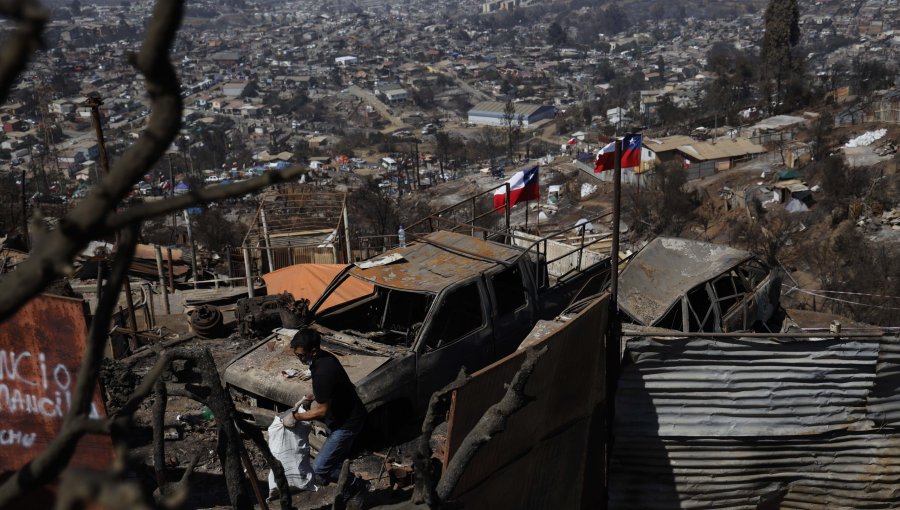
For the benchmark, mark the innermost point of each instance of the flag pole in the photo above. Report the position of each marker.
(612, 351)
(617, 206)
(526, 215)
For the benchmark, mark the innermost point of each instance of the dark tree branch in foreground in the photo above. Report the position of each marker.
(50, 463)
(204, 196)
(94, 218)
(25, 40)
(426, 473)
(54, 251)
(491, 423)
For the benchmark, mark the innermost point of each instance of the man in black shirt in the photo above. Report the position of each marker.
(338, 404)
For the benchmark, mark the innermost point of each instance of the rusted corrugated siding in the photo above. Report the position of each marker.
(738, 422)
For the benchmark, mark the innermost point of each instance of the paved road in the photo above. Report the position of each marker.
(380, 107)
(477, 94)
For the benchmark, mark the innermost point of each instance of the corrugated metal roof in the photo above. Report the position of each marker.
(438, 260)
(733, 423)
(666, 269)
(703, 151)
(722, 149)
(667, 143)
(499, 107)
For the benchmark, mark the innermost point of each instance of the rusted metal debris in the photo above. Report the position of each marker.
(444, 258)
(207, 322)
(258, 316)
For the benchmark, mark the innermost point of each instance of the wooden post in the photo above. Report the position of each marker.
(151, 310)
(132, 318)
(347, 234)
(162, 279)
(171, 269)
(187, 219)
(265, 226)
(230, 263)
(248, 274)
(613, 348)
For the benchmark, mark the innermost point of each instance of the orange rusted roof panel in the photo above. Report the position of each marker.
(310, 280)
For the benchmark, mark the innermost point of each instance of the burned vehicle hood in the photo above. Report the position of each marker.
(258, 370)
(666, 269)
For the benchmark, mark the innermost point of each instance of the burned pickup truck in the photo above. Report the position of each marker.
(445, 302)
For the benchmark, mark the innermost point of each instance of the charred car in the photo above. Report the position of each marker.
(693, 286)
(447, 302)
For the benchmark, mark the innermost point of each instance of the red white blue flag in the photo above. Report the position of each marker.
(523, 186)
(631, 154)
(631, 150)
(606, 158)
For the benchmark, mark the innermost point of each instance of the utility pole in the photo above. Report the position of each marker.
(418, 183)
(25, 238)
(94, 103)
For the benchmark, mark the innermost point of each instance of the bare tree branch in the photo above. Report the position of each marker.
(19, 46)
(159, 440)
(491, 423)
(426, 474)
(53, 252)
(56, 456)
(201, 197)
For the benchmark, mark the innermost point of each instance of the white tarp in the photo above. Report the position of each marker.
(866, 138)
(795, 206)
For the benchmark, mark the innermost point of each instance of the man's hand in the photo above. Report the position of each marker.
(288, 419)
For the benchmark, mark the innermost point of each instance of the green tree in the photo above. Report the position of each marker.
(782, 24)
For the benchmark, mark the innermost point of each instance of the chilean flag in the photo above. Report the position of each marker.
(523, 186)
(631, 154)
(572, 141)
(631, 150)
(606, 158)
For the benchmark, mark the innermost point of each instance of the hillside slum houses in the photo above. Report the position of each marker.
(713, 394)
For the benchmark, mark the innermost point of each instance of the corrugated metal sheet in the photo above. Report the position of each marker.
(741, 423)
(557, 250)
(310, 281)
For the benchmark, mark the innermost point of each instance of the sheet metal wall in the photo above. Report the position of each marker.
(745, 423)
(545, 458)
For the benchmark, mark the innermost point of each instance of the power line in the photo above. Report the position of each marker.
(841, 292)
(804, 291)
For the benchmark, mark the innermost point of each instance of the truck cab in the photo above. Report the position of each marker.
(446, 302)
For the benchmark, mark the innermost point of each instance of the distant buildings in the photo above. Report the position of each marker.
(493, 113)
